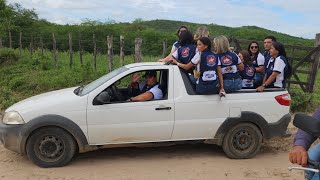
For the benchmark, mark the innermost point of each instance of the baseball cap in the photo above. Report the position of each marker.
(150, 73)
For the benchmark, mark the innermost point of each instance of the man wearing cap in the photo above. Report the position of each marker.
(148, 90)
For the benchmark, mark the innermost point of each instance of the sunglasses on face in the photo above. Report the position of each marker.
(254, 47)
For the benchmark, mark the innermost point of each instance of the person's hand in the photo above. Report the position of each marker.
(174, 61)
(160, 60)
(222, 93)
(260, 88)
(298, 155)
(135, 77)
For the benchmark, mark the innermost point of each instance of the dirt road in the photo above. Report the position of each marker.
(196, 161)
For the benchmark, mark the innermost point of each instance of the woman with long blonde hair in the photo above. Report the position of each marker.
(230, 64)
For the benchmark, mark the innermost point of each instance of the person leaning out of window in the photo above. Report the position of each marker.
(275, 70)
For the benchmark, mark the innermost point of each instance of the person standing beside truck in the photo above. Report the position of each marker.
(230, 64)
(210, 80)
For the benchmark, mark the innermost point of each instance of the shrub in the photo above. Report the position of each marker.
(8, 55)
(301, 101)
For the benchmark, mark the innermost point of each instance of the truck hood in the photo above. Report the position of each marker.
(54, 102)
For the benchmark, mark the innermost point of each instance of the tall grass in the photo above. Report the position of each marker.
(37, 74)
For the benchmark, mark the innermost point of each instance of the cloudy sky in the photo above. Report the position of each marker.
(295, 17)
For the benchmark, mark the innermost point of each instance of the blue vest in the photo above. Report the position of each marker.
(208, 80)
(267, 57)
(247, 76)
(255, 61)
(177, 44)
(186, 53)
(229, 62)
(208, 66)
(248, 72)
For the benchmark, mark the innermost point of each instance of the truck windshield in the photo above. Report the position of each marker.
(93, 85)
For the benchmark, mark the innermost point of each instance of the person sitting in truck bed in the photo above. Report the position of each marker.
(148, 90)
(210, 80)
(249, 71)
(277, 68)
(230, 64)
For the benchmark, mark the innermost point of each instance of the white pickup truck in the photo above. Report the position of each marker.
(52, 127)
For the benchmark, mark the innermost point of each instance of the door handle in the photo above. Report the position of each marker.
(163, 108)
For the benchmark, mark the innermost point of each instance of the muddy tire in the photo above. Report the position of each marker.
(51, 147)
(242, 141)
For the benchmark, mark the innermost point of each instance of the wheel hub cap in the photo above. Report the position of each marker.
(51, 147)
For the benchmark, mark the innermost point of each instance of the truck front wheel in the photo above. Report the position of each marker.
(242, 141)
(51, 147)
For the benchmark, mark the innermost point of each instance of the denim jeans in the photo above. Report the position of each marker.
(207, 87)
(258, 78)
(232, 85)
(314, 154)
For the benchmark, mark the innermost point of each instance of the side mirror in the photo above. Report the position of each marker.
(307, 123)
(103, 98)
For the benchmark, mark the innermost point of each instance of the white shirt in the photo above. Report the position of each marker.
(260, 60)
(279, 66)
(155, 90)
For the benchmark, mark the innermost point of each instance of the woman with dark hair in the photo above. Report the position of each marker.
(187, 49)
(210, 80)
(249, 71)
(276, 68)
(257, 61)
(176, 44)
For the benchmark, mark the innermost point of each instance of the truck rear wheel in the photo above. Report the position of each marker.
(51, 147)
(242, 141)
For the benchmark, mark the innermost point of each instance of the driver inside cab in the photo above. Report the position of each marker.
(147, 90)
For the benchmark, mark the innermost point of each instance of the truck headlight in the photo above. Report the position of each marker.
(12, 117)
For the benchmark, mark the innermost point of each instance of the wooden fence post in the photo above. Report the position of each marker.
(41, 45)
(110, 52)
(20, 43)
(121, 50)
(94, 52)
(10, 40)
(80, 49)
(54, 44)
(317, 40)
(164, 48)
(1, 46)
(315, 66)
(70, 49)
(31, 45)
(137, 50)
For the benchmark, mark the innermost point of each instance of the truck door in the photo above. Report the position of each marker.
(129, 122)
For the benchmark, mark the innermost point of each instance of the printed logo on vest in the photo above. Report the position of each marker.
(211, 60)
(250, 71)
(226, 60)
(185, 52)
